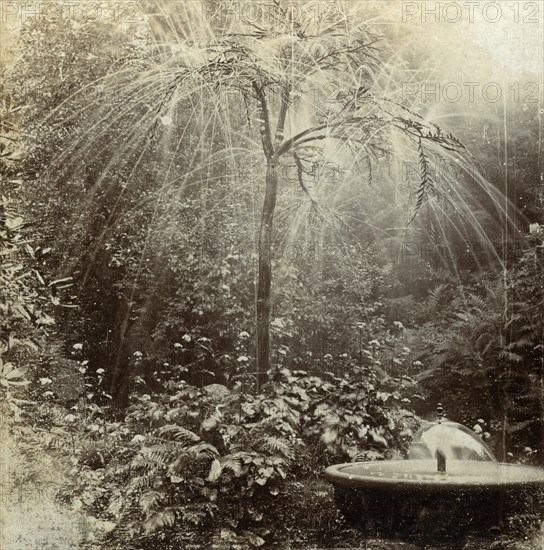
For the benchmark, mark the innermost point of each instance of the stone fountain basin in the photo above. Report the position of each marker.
(421, 475)
(408, 498)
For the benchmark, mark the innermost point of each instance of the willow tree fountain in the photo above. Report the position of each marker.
(450, 485)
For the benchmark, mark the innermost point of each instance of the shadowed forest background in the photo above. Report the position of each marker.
(239, 246)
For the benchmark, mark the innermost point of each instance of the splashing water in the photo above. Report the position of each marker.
(452, 440)
(159, 91)
(140, 112)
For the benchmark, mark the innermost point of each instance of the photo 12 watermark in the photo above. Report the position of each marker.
(320, 97)
(256, 12)
(314, 171)
(412, 252)
(326, 254)
(517, 11)
(24, 12)
(16, 493)
(444, 171)
(471, 92)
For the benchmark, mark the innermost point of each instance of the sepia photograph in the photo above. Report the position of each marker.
(271, 274)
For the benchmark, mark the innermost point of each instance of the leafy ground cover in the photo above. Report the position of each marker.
(202, 468)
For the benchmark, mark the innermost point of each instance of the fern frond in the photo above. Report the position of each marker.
(140, 462)
(150, 500)
(203, 450)
(479, 303)
(145, 481)
(160, 520)
(178, 433)
(510, 356)
(162, 454)
(425, 179)
(238, 453)
(232, 463)
(523, 342)
(178, 466)
(432, 228)
(435, 295)
(278, 446)
(517, 426)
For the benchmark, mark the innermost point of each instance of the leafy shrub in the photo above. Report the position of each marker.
(215, 462)
(480, 353)
(25, 301)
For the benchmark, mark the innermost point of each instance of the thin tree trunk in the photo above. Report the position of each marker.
(270, 146)
(265, 270)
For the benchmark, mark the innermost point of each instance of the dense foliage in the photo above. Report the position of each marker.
(222, 464)
(129, 282)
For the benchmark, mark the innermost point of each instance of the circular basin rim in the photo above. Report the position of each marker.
(335, 475)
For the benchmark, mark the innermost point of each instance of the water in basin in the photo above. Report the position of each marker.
(459, 472)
